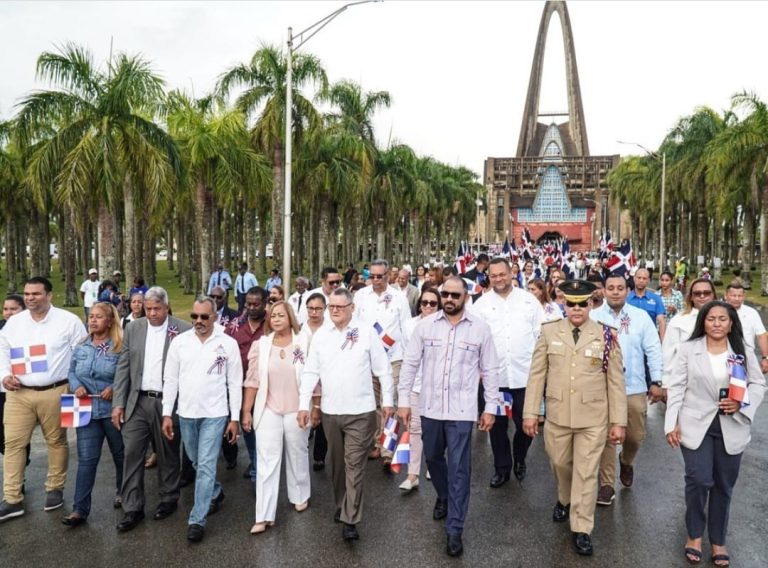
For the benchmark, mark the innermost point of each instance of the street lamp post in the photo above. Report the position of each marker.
(310, 32)
(662, 234)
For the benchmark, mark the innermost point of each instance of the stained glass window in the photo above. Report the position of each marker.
(551, 204)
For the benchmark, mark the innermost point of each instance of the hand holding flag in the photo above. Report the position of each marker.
(75, 412)
(737, 384)
(402, 454)
(388, 438)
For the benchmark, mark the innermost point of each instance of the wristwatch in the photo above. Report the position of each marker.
(656, 384)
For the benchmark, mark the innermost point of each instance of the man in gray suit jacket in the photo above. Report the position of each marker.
(137, 408)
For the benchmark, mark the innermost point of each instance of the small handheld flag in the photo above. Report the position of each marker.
(386, 339)
(75, 412)
(402, 453)
(388, 438)
(737, 384)
(29, 359)
(505, 409)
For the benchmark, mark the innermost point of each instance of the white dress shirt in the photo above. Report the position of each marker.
(207, 376)
(679, 329)
(346, 367)
(390, 310)
(152, 375)
(751, 325)
(515, 323)
(245, 282)
(44, 348)
(293, 299)
(410, 325)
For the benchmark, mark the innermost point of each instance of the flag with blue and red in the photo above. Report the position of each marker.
(389, 434)
(737, 383)
(505, 408)
(29, 359)
(402, 454)
(385, 339)
(75, 412)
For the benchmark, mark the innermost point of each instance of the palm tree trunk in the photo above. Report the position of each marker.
(106, 238)
(131, 264)
(764, 238)
(169, 245)
(11, 275)
(203, 230)
(278, 188)
(263, 243)
(67, 257)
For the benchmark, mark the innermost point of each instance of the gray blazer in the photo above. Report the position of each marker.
(130, 367)
(692, 399)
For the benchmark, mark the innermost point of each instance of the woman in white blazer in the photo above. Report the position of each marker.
(275, 363)
(711, 428)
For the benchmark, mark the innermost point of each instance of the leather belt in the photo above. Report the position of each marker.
(152, 394)
(46, 387)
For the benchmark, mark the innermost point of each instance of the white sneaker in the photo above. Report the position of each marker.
(409, 485)
(429, 477)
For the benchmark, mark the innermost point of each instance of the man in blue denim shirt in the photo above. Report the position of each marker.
(639, 341)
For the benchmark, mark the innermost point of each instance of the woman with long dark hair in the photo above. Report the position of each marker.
(714, 391)
(673, 299)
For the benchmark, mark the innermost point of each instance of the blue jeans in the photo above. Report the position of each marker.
(450, 477)
(202, 439)
(250, 444)
(90, 439)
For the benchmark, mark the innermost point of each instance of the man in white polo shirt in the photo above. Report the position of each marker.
(751, 323)
(204, 369)
(35, 351)
(345, 355)
(89, 291)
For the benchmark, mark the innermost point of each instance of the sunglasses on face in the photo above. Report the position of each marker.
(430, 303)
(574, 304)
(454, 295)
(195, 317)
(334, 282)
(701, 293)
(377, 276)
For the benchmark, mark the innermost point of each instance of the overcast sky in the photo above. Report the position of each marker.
(457, 71)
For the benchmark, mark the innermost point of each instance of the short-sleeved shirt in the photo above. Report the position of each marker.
(751, 325)
(90, 290)
(650, 302)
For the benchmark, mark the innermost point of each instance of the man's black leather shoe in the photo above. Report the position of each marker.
(130, 521)
(561, 512)
(454, 547)
(499, 479)
(583, 544)
(441, 509)
(216, 503)
(337, 516)
(349, 532)
(520, 470)
(195, 533)
(164, 510)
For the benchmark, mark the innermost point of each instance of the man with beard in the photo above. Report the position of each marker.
(454, 351)
(247, 330)
(579, 362)
(514, 317)
(137, 408)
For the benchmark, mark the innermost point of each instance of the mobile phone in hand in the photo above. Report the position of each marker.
(722, 394)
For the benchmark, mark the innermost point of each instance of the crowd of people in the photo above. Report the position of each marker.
(434, 351)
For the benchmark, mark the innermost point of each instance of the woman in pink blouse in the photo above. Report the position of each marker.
(275, 363)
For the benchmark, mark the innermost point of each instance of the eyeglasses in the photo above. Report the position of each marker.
(195, 317)
(339, 307)
(574, 304)
(701, 293)
(334, 282)
(430, 303)
(454, 295)
(315, 309)
(377, 276)
(216, 296)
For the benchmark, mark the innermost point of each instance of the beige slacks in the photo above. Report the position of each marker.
(637, 411)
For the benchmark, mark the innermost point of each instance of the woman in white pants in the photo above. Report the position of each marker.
(428, 304)
(275, 363)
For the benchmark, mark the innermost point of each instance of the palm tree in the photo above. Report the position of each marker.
(103, 136)
(264, 79)
(222, 168)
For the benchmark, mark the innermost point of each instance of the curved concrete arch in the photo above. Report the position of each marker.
(577, 125)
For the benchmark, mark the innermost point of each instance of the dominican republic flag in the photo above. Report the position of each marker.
(461, 263)
(506, 250)
(472, 287)
(386, 339)
(29, 359)
(606, 245)
(505, 409)
(527, 245)
(737, 384)
(402, 454)
(622, 260)
(388, 438)
(75, 412)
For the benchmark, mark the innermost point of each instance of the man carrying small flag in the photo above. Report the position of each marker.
(35, 352)
(454, 350)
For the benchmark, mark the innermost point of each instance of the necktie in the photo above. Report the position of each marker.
(576, 331)
(218, 279)
(299, 306)
(241, 286)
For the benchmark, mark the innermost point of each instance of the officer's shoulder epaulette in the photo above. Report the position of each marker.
(549, 322)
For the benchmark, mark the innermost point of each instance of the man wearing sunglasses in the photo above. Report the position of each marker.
(514, 316)
(224, 314)
(330, 280)
(579, 363)
(204, 371)
(137, 408)
(639, 343)
(454, 350)
(385, 309)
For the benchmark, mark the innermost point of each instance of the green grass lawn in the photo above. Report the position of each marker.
(181, 304)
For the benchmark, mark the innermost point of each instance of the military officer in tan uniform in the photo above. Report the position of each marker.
(579, 362)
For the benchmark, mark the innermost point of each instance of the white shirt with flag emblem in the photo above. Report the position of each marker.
(391, 311)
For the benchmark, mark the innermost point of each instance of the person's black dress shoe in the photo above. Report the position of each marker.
(561, 512)
(499, 479)
(164, 510)
(337, 516)
(349, 532)
(454, 547)
(319, 465)
(216, 503)
(73, 521)
(520, 470)
(583, 544)
(195, 533)
(441, 509)
(130, 521)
